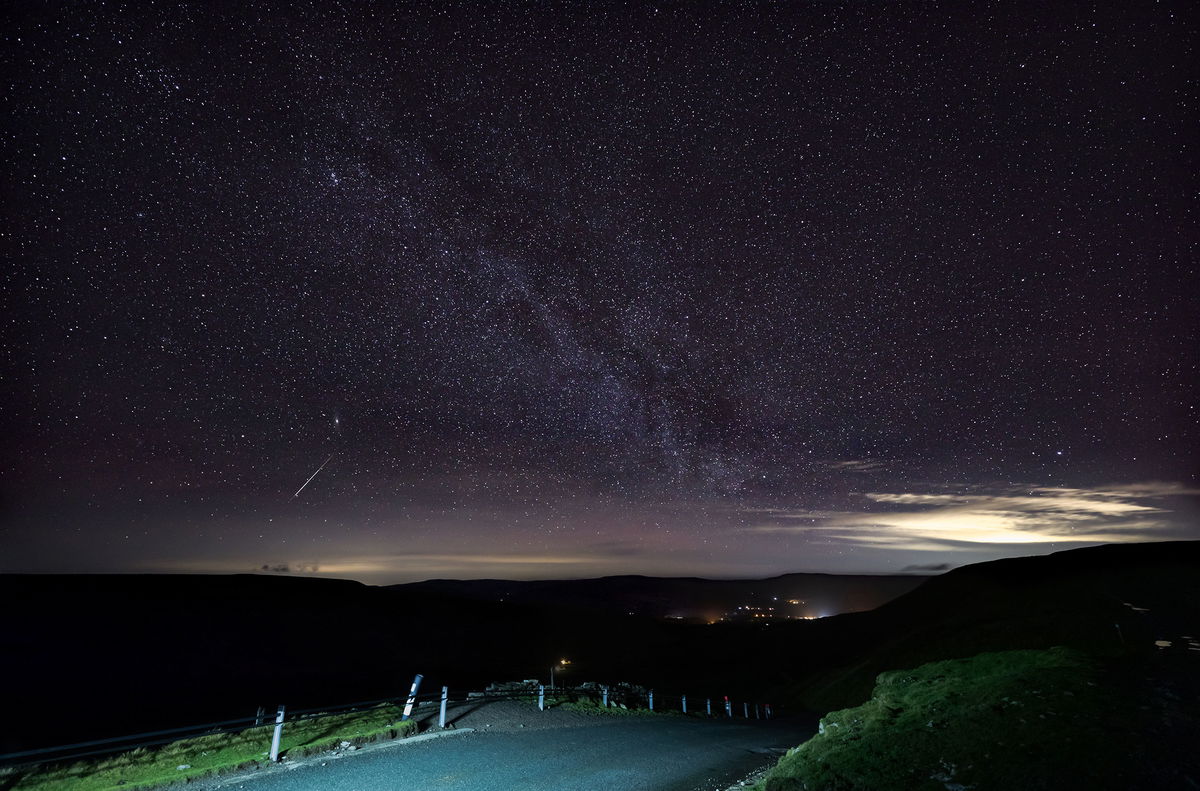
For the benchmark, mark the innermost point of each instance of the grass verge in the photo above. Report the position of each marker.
(189, 759)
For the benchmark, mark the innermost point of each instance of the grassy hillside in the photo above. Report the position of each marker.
(1043, 719)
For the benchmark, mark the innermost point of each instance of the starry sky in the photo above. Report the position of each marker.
(569, 289)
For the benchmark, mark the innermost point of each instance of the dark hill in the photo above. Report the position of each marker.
(1108, 600)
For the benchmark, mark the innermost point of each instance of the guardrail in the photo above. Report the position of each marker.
(612, 695)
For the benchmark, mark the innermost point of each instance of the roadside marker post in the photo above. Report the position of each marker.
(541, 697)
(728, 707)
(605, 700)
(745, 710)
(684, 702)
(651, 699)
(768, 711)
(708, 706)
(442, 716)
(258, 716)
(412, 697)
(277, 735)
(756, 712)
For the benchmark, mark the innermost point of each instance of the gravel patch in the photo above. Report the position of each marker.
(505, 716)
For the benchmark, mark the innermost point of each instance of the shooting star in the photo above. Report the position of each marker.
(314, 475)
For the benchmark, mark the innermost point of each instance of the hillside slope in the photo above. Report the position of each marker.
(1110, 600)
(1034, 719)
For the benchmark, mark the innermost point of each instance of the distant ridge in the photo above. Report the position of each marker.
(688, 597)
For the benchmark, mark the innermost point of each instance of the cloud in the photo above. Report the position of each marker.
(442, 562)
(609, 557)
(1149, 489)
(291, 568)
(927, 567)
(1013, 515)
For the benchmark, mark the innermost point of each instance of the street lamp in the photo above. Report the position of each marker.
(559, 666)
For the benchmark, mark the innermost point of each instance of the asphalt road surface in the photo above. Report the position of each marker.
(615, 754)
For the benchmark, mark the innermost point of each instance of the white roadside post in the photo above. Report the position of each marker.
(412, 697)
(541, 697)
(728, 707)
(651, 699)
(708, 706)
(276, 736)
(442, 716)
(684, 702)
(756, 712)
(768, 711)
(745, 710)
(605, 701)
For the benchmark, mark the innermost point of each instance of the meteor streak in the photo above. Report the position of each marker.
(314, 475)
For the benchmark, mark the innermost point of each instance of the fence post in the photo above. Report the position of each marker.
(278, 733)
(541, 697)
(745, 710)
(442, 716)
(684, 702)
(605, 688)
(728, 707)
(708, 706)
(651, 698)
(412, 697)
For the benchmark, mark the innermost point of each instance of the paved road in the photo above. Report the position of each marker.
(663, 754)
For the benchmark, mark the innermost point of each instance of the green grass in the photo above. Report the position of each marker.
(1032, 719)
(215, 753)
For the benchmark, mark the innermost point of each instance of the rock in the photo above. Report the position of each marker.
(181, 767)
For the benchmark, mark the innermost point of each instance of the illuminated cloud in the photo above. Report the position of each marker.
(388, 568)
(433, 564)
(1025, 515)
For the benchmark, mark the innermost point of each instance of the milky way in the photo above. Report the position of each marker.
(588, 288)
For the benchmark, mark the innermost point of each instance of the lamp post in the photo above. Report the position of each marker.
(560, 665)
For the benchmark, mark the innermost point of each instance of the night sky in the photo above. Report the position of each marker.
(558, 290)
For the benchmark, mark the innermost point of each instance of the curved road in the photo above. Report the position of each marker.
(660, 753)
